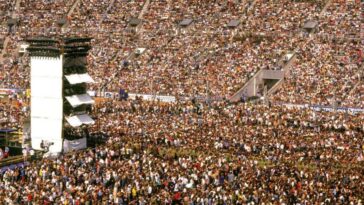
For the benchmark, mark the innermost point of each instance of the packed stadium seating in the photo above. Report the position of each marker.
(180, 61)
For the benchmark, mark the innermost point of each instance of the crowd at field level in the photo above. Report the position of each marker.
(190, 153)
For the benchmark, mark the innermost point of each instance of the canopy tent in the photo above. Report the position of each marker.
(76, 100)
(79, 78)
(78, 120)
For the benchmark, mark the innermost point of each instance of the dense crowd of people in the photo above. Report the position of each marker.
(179, 61)
(325, 72)
(204, 58)
(329, 67)
(6, 7)
(188, 152)
(356, 96)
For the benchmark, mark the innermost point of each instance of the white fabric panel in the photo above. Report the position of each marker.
(79, 78)
(73, 121)
(85, 119)
(69, 145)
(46, 129)
(91, 93)
(46, 87)
(79, 120)
(76, 100)
(46, 102)
(46, 67)
(50, 108)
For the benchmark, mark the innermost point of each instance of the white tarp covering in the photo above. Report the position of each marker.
(76, 100)
(79, 78)
(79, 120)
(46, 102)
(71, 145)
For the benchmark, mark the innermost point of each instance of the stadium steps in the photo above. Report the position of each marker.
(6, 41)
(256, 84)
(73, 7)
(145, 8)
(17, 8)
(328, 3)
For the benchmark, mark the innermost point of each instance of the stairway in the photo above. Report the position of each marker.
(145, 8)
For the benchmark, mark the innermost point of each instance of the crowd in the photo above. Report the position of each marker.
(41, 17)
(328, 69)
(6, 7)
(341, 20)
(325, 72)
(356, 96)
(282, 17)
(188, 153)
(204, 58)
(13, 112)
(179, 61)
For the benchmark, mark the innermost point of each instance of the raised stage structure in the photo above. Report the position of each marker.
(59, 101)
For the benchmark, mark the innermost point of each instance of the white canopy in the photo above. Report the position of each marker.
(78, 120)
(79, 78)
(76, 100)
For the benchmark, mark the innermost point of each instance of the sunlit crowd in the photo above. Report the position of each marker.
(193, 152)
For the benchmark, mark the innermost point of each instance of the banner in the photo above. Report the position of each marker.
(325, 108)
(161, 98)
(122, 94)
(69, 145)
